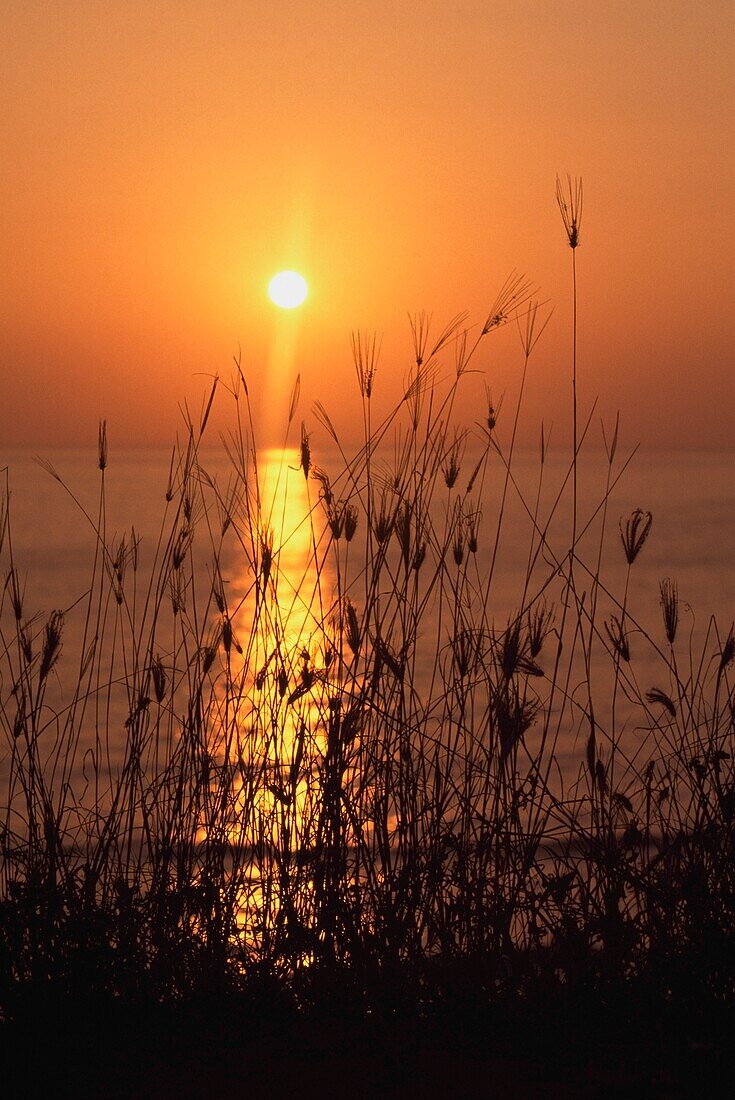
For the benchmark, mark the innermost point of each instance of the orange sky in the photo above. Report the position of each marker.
(161, 159)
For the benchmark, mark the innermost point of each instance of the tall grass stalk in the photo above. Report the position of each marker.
(301, 732)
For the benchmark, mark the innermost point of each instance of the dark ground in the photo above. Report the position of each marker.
(256, 1047)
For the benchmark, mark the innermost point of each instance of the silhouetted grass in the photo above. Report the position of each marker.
(339, 790)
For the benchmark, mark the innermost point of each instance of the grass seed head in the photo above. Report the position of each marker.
(539, 621)
(618, 637)
(385, 518)
(728, 650)
(158, 673)
(352, 627)
(591, 750)
(102, 445)
(403, 532)
(453, 461)
(514, 293)
(511, 650)
(305, 456)
(16, 596)
(465, 651)
(181, 547)
(635, 532)
(51, 644)
(569, 200)
(335, 519)
(19, 722)
(656, 695)
(419, 555)
(493, 411)
(365, 354)
(472, 527)
(266, 556)
(670, 607)
(218, 594)
(177, 592)
(458, 546)
(513, 716)
(350, 517)
(209, 652)
(420, 326)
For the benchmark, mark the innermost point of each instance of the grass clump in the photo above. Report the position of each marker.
(293, 753)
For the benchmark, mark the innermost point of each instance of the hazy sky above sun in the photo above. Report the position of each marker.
(162, 159)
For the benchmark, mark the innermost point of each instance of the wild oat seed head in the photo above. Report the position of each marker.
(569, 201)
(158, 673)
(16, 596)
(181, 546)
(403, 531)
(227, 635)
(728, 650)
(472, 526)
(218, 594)
(514, 292)
(365, 355)
(102, 445)
(335, 519)
(618, 637)
(458, 547)
(539, 620)
(266, 555)
(635, 533)
(453, 461)
(305, 457)
(385, 517)
(465, 651)
(177, 592)
(51, 644)
(656, 695)
(352, 628)
(420, 324)
(351, 516)
(670, 607)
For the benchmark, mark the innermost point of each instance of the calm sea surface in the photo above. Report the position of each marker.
(690, 495)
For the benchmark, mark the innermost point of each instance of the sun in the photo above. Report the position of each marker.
(287, 289)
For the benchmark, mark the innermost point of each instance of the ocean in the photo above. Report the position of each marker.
(690, 496)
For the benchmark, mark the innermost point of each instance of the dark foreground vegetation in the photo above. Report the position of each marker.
(309, 821)
(266, 1041)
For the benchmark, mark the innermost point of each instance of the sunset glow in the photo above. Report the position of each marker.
(154, 164)
(367, 519)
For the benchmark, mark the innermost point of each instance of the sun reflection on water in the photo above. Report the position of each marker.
(276, 703)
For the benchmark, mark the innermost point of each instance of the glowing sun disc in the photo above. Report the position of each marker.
(287, 289)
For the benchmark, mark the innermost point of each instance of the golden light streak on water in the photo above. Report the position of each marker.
(280, 693)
